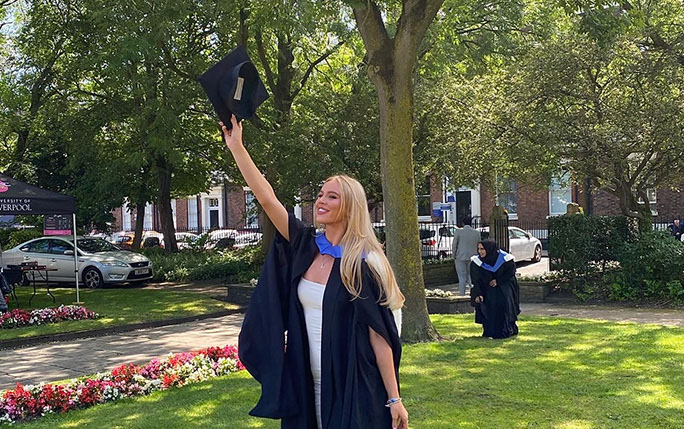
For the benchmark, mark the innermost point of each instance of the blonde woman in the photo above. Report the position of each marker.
(321, 333)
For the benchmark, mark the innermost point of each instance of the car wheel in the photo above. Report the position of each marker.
(537, 254)
(92, 278)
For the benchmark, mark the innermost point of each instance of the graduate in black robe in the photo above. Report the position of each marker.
(495, 292)
(360, 349)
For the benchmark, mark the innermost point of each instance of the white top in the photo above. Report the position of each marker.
(310, 295)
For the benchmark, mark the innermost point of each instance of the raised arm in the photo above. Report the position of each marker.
(262, 190)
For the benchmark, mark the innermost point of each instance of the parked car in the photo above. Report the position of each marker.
(435, 242)
(184, 239)
(99, 262)
(219, 239)
(523, 245)
(247, 238)
(123, 239)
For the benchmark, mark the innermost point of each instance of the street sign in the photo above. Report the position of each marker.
(57, 225)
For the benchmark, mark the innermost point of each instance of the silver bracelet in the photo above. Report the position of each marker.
(392, 401)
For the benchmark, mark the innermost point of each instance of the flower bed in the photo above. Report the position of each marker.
(32, 401)
(437, 293)
(18, 318)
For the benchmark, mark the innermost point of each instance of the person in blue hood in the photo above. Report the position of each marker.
(495, 292)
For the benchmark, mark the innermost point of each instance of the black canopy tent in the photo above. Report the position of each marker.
(19, 198)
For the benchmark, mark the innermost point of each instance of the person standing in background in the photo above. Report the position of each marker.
(463, 248)
(676, 229)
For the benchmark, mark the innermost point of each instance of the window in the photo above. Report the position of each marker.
(251, 215)
(40, 246)
(192, 214)
(516, 233)
(58, 247)
(652, 200)
(651, 193)
(213, 202)
(423, 198)
(126, 215)
(560, 194)
(508, 196)
(173, 212)
(147, 224)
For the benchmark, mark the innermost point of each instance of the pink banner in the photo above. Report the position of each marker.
(57, 232)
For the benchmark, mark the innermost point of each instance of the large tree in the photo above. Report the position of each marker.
(609, 110)
(391, 58)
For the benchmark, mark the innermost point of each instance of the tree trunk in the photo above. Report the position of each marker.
(139, 224)
(390, 68)
(401, 210)
(164, 205)
(630, 207)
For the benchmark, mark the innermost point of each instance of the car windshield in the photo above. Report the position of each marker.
(426, 233)
(94, 245)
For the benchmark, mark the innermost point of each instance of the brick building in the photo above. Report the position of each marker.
(533, 204)
(232, 206)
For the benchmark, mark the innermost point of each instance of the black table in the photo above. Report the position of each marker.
(33, 269)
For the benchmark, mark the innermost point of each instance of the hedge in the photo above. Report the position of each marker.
(581, 244)
(234, 266)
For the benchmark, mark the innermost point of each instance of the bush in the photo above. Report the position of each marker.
(18, 236)
(234, 266)
(581, 244)
(652, 267)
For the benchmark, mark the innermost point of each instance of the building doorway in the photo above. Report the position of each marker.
(464, 206)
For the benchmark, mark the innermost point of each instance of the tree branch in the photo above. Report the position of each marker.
(415, 19)
(171, 63)
(261, 52)
(371, 26)
(313, 65)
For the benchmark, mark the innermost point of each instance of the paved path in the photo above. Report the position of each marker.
(58, 361)
(620, 314)
(526, 268)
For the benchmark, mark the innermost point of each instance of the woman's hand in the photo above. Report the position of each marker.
(399, 416)
(479, 299)
(492, 283)
(232, 137)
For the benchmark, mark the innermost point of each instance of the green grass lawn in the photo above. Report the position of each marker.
(559, 373)
(115, 306)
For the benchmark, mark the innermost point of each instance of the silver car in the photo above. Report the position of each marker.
(99, 261)
(523, 245)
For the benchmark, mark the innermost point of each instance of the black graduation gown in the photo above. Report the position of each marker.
(352, 391)
(498, 313)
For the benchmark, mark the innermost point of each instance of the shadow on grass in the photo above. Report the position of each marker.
(556, 374)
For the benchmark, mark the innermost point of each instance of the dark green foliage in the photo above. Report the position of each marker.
(582, 244)
(652, 268)
(238, 266)
(18, 236)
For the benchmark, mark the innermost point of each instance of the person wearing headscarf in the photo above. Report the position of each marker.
(495, 292)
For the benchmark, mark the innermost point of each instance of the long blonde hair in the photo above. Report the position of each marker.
(359, 239)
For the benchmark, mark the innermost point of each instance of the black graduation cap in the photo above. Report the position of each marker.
(233, 86)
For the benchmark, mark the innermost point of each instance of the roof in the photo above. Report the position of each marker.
(19, 198)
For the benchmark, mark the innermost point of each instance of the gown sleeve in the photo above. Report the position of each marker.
(376, 316)
(262, 338)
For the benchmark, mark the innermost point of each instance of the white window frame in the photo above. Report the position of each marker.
(560, 185)
(652, 200)
(193, 214)
(147, 220)
(511, 215)
(126, 217)
(427, 217)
